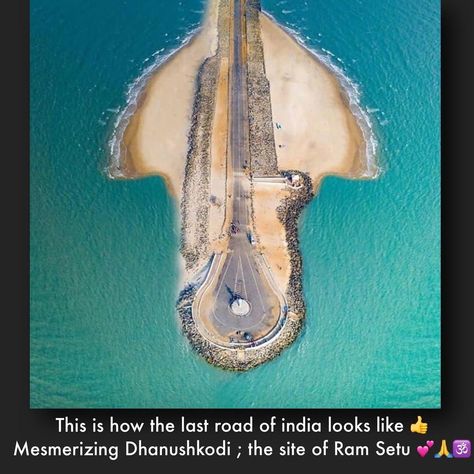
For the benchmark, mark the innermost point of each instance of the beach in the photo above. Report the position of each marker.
(156, 138)
(319, 134)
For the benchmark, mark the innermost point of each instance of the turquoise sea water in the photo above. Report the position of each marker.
(104, 264)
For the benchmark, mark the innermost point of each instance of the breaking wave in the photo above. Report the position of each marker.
(133, 95)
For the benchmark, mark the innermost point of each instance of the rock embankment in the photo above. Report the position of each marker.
(288, 213)
(261, 140)
(195, 193)
(235, 359)
(223, 25)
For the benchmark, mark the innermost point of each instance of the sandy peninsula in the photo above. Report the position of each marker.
(243, 127)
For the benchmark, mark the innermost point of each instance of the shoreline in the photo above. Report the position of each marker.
(121, 164)
(135, 94)
(350, 95)
(317, 129)
(150, 135)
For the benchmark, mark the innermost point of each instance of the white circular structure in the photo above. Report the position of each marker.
(240, 307)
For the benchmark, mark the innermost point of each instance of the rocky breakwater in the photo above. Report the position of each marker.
(261, 140)
(241, 358)
(195, 193)
(288, 213)
(236, 358)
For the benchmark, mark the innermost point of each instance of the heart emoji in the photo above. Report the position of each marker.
(429, 443)
(422, 450)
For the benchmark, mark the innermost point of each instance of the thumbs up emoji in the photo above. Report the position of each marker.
(419, 427)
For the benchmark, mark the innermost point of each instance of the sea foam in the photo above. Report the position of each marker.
(134, 92)
(349, 87)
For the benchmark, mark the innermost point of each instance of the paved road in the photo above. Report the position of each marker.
(240, 274)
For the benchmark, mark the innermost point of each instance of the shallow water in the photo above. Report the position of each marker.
(104, 254)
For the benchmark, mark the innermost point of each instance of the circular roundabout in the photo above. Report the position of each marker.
(240, 307)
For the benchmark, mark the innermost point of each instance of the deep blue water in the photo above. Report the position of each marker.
(104, 254)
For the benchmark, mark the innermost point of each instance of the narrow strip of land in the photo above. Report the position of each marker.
(241, 279)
